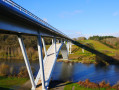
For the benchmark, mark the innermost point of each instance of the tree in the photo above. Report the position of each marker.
(81, 38)
(74, 39)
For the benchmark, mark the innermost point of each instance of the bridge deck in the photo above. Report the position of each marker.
(14, 19)
(48, 65)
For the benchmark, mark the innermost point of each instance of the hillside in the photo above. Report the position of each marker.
(96, 45)
(99, 46)
(79, 54)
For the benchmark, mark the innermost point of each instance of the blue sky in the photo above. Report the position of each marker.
(77, 17)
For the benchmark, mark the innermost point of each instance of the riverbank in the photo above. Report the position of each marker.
(84, 62)
(78, 61)
(82, 85)
(12, 77)
(7, 83)
(87, 85)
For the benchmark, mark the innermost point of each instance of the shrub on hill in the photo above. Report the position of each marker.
(113, 42)
(100, 37)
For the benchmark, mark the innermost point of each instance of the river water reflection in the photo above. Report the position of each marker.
(75, 71)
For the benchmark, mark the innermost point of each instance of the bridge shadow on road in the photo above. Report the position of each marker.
(100, 57)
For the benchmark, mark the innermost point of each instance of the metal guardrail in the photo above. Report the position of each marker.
(15, 5)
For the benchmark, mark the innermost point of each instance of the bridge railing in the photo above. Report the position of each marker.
(15, 5)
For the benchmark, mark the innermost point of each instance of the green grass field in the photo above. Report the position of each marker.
(98, 45)
(7, 83)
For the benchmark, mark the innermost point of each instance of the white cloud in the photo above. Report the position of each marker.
(45, 19)
(69, 14)
(115, 13)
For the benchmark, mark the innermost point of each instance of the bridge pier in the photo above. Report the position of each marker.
(41, 62)
(55, 48)
(64, 41)
(52, 41)
(70, 47)
(26, 61)
(40, 54)
(58, 41)
(67, 46)
(61, 40)
(44, 46)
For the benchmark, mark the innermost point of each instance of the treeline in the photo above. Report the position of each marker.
(10, 49)
(100, 37)
(93, 38)
(79, 39)
(110, 41)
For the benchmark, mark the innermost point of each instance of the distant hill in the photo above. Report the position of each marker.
(110, 41)
(97, 45)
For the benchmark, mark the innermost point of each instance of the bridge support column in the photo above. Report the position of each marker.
(52, 41)
(26, 61)
(64, 52)
(61, 40)
(64, 41)
(70, 47)
(41, 62)
(55, 48)
(57, 41)
(44, 46)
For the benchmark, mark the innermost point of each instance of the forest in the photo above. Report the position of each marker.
(10, 49)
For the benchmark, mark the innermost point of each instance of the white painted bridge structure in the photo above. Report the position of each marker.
(14, 19)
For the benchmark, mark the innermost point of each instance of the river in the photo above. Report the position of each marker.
(75, 71)
(78, 71)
